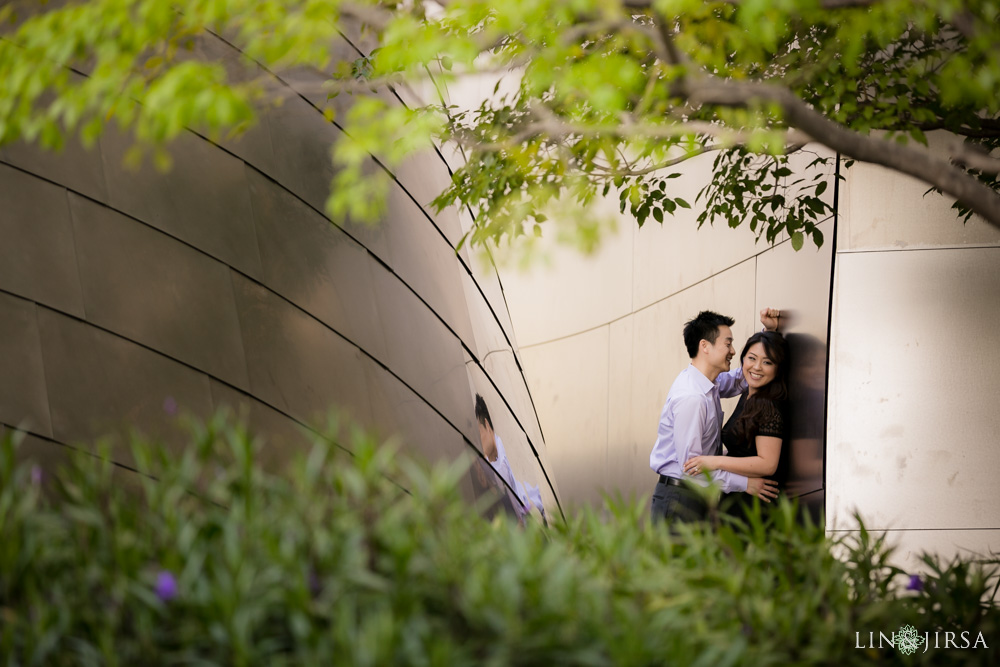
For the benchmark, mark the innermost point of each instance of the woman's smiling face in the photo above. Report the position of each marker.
(758, 369)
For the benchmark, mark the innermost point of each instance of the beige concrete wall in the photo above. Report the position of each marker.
(600, 336)
(914, 376)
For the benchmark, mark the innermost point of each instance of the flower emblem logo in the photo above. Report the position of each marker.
(908, 640)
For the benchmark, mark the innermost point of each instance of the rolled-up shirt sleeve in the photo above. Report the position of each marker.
(731, 383)
(729, 481)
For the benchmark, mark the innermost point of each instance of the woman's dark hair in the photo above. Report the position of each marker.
(773, 394)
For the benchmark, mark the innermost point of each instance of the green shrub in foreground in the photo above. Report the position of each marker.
(332, 562)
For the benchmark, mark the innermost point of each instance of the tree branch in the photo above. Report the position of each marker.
(907, 159)
(824, 4)
(668, 163)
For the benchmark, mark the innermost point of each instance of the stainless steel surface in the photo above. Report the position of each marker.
(314, 264)
(37, 257)
(296, 363)
(220, 283)
(203, 200)
(24, 401)
(143, 285)
(301, 138)
(398, 411)
(281, 436)
(425, 261)
(74, 166)
(99, 384)
(425, 176)
(502, 369)
(421, 351)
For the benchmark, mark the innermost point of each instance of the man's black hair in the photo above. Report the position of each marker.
(482, 412)
(704, 327)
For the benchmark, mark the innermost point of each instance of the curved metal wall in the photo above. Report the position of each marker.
(129, 297)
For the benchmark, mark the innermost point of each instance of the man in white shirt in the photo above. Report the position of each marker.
(691, 422)
(494, 452)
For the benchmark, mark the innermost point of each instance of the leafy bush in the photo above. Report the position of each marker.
(371, 559)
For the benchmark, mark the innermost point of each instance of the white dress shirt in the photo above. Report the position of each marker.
(502, 467)
(691, 425)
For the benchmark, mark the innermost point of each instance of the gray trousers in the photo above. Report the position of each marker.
(677, 504)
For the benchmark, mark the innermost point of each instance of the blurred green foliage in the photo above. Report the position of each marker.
(368, 558)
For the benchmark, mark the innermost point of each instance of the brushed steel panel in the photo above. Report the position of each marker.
(49, 460)
(425, 175)
(150, 288)
(503, 370)
(913, 390)
(301, 139)
(24, 401)
(37, 256)
(47, 455)
(397, 411)
(101, 384)
(74, 166)
(282, 438)
(296, 363)
(421, 350)
(400, 415)
(311, 262)
(253, 144)
(202, 199)
(487, 334)
(426, 262)
(487, 281)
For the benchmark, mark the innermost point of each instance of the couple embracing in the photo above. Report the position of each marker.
(690, 435)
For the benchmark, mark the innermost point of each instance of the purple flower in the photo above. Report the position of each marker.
(36, 475)
(170, 406)
(166, 585)
(916, 583)
(315, 583)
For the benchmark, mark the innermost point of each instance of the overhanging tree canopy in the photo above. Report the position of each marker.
(605, 94)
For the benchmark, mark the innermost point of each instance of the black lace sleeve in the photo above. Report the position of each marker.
(771, 423)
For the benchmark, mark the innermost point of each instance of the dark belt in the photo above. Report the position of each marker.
(671, 481)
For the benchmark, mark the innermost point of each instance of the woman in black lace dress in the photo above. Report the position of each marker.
(753, 434)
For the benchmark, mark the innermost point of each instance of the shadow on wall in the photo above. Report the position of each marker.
(803, 453)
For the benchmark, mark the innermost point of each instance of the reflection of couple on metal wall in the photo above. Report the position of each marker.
(517, 499)
(690, 435)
